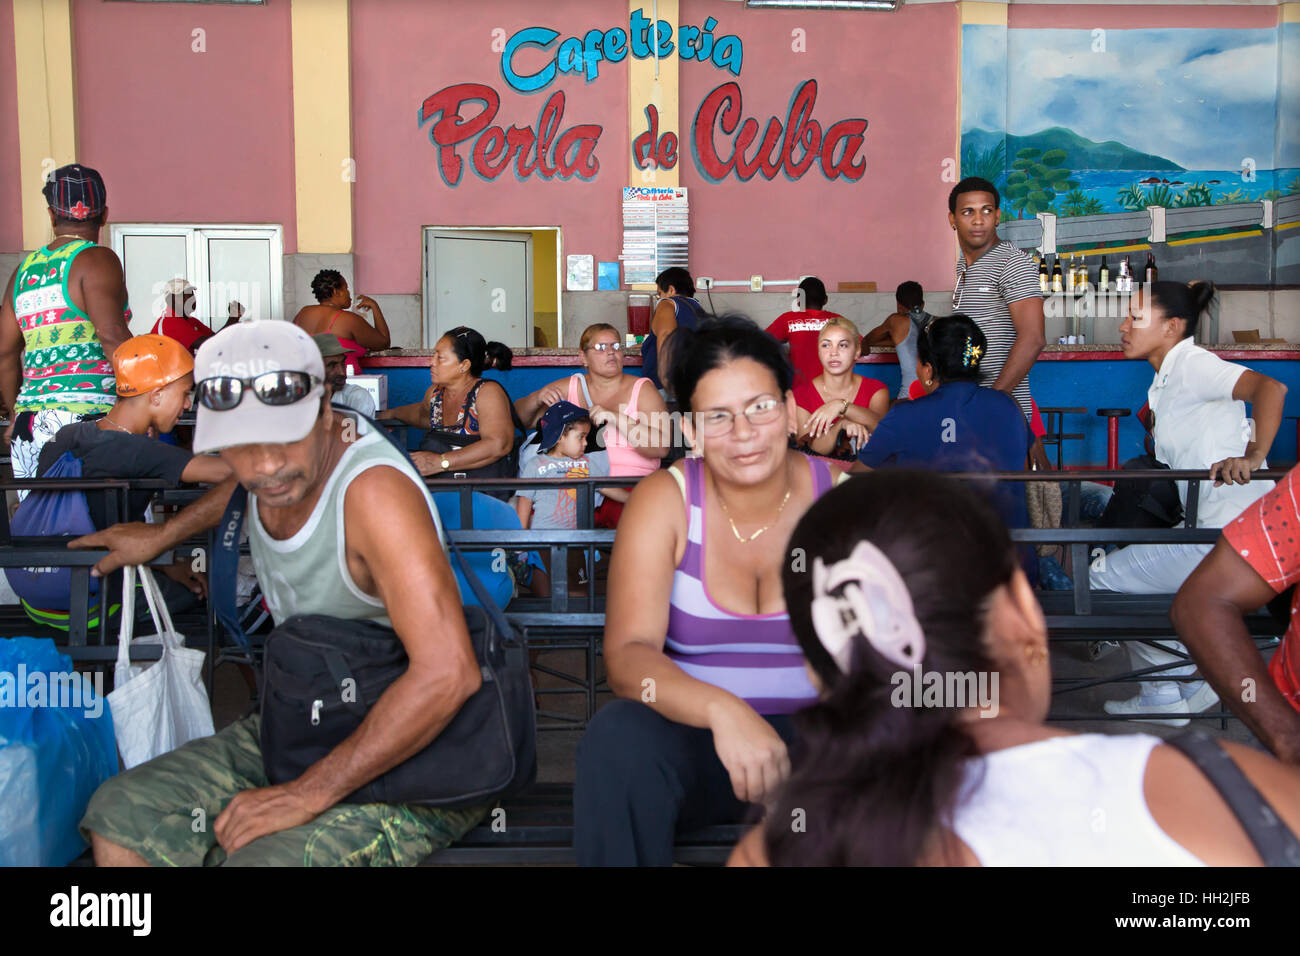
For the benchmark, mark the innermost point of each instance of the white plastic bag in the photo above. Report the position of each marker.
(159, 705)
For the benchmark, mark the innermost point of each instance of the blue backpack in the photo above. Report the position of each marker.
(43, 514)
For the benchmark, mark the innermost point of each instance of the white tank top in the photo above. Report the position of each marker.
(1074, 800)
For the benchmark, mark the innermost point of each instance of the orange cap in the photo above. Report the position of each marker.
(146, 362)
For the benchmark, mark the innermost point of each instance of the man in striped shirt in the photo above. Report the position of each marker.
(997, 286)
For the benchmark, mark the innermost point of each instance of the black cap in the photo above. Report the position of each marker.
(76, 192)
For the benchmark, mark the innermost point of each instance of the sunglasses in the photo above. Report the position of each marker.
(224, 392)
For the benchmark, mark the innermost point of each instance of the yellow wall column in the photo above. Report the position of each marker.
(1289, 13)
(643, 88)
(47, 127)
(322, 126)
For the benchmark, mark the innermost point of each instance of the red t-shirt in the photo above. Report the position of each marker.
(809, 399)
(801, 329)
(186, 330)
(1267, 536)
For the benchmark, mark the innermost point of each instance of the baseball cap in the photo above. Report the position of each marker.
(178, 286)
(329, 344)
(554, 420)
(244, 351)
(76, 192)
(146, 362)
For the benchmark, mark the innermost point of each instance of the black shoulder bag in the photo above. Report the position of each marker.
(323, 674)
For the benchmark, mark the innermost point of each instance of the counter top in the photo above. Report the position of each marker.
(399, 358)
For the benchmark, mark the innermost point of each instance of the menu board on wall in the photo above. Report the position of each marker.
(655, 231)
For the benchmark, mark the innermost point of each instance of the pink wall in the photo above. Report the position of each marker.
(898, 71)
(182, 136)
(11, 217)
(405, 50)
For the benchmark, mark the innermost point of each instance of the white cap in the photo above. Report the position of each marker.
(178, 286)
(246, 350)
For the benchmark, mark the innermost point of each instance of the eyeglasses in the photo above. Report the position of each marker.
(607, 346)
(224, 392)
(717, 422)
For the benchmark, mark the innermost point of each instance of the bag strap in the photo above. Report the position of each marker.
(225, 562)
(1272, 838)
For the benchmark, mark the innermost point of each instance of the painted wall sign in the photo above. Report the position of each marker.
(584, 56)
(463, 113)
(532, 150)
(793, 149)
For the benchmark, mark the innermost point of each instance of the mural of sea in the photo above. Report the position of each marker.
(1056, 170)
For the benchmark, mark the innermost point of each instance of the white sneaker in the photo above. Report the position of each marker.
(1202, 698)
(1148, 705)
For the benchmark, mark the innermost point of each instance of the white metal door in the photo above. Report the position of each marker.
(482, 279)
(150, 259)
(239, 269)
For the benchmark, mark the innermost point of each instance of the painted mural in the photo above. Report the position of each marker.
(1101, 121)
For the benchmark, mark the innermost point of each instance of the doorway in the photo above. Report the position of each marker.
(501, 281)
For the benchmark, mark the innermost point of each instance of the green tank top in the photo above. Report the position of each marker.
(308, 573)
(64, 365)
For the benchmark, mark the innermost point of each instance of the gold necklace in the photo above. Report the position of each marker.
(109, 421)
(760, 530)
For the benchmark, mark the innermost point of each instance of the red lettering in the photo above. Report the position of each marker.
(451, 129)
(666, 155)
(495, 147)
(851, 131)
(802, 130)
(720, 112)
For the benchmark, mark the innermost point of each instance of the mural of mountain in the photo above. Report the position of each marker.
(1080, 152)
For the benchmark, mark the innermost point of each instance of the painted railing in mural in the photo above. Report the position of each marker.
(1046, 233)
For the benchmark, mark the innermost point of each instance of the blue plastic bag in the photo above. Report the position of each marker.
(56, 747)
(51, 513)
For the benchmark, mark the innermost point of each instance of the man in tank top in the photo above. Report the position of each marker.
(63, 314)
(325, 493)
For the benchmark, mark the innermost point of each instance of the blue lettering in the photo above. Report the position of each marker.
(640, 27)
(569, 59)
(705, 49)
(664, 37)
(686, 35)
(615, 45)
(728, 53)
(532, 36)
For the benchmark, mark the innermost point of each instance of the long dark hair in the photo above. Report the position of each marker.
(1183, 301)
(715, 342)
(468, 344)
(875, 781)
(953, 346)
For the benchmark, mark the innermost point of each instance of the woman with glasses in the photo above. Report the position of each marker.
(698, 645)
(838, 409)
(634, 417)
(469, 418)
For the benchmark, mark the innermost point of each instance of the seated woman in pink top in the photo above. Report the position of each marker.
(333, 315)
(634, 416)
(839, 408)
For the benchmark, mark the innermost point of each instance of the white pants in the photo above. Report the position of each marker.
(1152, 569)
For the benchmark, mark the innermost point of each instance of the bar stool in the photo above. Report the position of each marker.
(1055, 428)
(1113, 415)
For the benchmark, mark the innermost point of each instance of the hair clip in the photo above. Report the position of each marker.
(873, 601)
(972, 354)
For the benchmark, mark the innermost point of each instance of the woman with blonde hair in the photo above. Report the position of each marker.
(839, 408)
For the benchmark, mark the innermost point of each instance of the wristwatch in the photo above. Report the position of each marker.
(445, 464)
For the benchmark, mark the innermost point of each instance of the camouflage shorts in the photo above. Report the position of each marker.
(165, 809)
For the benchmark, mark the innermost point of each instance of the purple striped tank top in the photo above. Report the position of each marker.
(754, 656)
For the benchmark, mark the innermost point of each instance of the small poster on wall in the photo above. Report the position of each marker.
(607, 275)
(655, 231)
(580, 273)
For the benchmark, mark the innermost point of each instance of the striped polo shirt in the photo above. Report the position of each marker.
(754, 656)
(984, 290)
